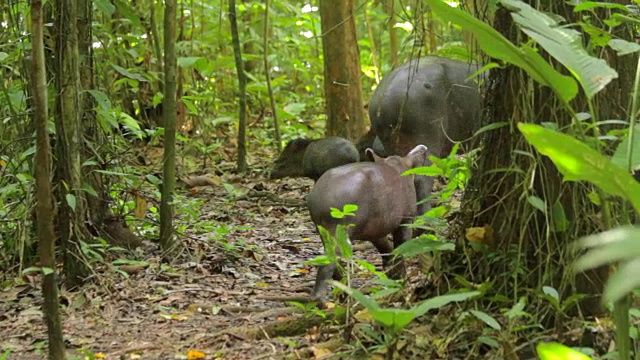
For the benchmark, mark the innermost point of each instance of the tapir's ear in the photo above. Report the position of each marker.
(371, 155)
(299, 144)
(418, 155)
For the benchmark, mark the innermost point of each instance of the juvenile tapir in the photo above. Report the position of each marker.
(425, 101)
(312, 157)
(386, 201)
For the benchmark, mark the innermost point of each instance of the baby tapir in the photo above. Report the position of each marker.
(386, 201)
(311, 158)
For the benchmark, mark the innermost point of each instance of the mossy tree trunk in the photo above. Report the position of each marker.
(44, 195)
(169, 109)
(342, 88)
(536, 241)
(72, 211)
(242, 89)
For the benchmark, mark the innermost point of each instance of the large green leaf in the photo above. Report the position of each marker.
(579, 162)
(422, 245)
(555, 351)
(564, 44)
(620, 244)
(440, 301)
(496, 46)
(623, 281)
(620, 156)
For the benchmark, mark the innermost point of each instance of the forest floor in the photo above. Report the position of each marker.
(228, 293)
(207, 303)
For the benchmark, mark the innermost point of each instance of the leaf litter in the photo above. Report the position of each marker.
(206, 301)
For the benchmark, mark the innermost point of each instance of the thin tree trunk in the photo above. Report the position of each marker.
(374, 50)
(96, 205)
(265, 46)
(342, 88)
(169, 109)
(249, 46)
(393, 35)
(44, 195)
(242, 89)
(72, 197)
(433, 45)
(154, 32)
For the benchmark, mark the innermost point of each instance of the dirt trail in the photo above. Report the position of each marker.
(162, 312)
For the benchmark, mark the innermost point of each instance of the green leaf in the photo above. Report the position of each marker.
(537, 203)
(560, 221)
(319, 260)
(623, 47)
(47, 271)
(31, 270)
(394, 319)
(368, 303)
(517, 310)
(555, 351)
(3, 56)
(350, 209)
(496, 46)
(295, 108)
(564, 44)
(608, 247)
(431, 170)
(190, 106)
(590, 5)
(128, 12)
(487, 319)
(548, 290)
(126, 73)
(71, 201)
(329, 243)
(342, 238)
(187, 61)
(130, 124)
(489, 341)
(101, 98)
(153, 179)
(105, 6)
(620, 156)
(89, 190)
(440, 301)
(579, 162)
(422, 245)
(492, 126)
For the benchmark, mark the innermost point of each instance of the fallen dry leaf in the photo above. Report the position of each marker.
(195, 354)
(482, 235)
(319, 352)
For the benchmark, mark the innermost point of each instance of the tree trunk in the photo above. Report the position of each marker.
(96, 206)
(372, 40)
(249, 46)
(265, 57)
(393, 34)
(242, 89)
(154, 32)
(169, 110)
(431, 32)
(342, 89)
(44, 196)
(71, 219)
(496, 198)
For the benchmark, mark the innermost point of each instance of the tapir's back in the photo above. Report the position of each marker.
(383, 198)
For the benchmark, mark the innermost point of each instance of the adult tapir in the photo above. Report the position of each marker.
(429, 101)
